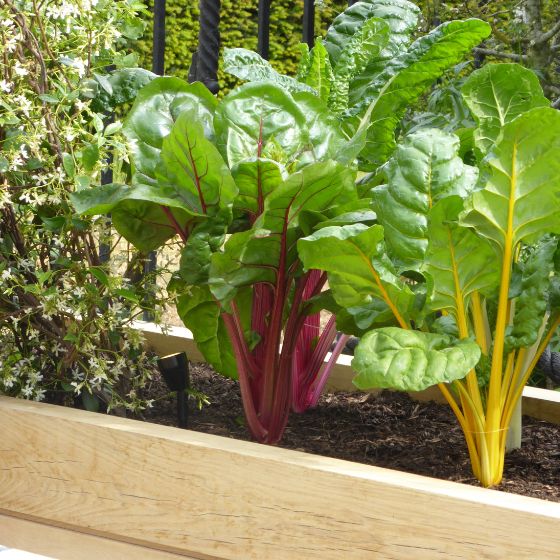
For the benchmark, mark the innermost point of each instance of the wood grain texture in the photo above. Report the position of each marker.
(212, 497)
(64, 544)
(538, 403)
(542, 404)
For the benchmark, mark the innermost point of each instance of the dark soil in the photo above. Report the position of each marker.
(389, 430)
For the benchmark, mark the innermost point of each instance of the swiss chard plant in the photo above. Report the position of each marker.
(258, 169)
(457, 282)
(242, 180)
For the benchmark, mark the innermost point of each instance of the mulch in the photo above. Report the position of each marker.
(388, 430)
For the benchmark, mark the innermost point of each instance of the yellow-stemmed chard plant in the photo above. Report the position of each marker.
(458, 282)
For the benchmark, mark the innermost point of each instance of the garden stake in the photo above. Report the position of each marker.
(175, 371)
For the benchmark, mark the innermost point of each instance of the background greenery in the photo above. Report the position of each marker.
(516, 23)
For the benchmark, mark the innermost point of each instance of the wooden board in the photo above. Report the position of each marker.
(542, 404)
(212, 497)
(64, 544)
(538, 403)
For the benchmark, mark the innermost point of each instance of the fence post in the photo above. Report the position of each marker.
(158, 47)
(309, 22)
(208, 52)
(263, 42)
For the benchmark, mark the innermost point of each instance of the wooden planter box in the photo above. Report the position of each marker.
(77, 485)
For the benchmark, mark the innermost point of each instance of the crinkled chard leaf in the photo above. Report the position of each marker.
(532, 302)
(424, 169)
(269, 247)
(249, 66)
(458, 262)
(260, 120)
(498, 93)
(406, 77)
(359, 271)
(409, 360)
(400, 15)
(366, 44)
(318, 73)
(156, 108)
(521, 200)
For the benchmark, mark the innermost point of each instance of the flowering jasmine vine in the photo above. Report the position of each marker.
(65, 313)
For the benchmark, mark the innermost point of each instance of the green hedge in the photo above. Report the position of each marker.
(238, 29)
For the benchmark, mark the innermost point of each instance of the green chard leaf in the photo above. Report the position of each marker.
(406, 77)
(156, 108)
(498, 93)
(123, 87)
(105, 198)
(205, 239)
(521, 199)
(409, 360)
(424, 169)
(260, 120)
(318, 73)
(193, 167)
(201, 314)
(361, 276)
(366, 44)
(193, 182)
(145, 224)
(269, 247)
(326, 138)
(256, 179)
(457, 262)
(532, 303)
(249, 66)
(137, 211)
(400, 15)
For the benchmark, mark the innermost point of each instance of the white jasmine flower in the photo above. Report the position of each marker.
(20, 70)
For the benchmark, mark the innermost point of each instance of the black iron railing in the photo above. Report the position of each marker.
(204, 67)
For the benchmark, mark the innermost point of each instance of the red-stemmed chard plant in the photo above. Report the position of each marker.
(238, 183)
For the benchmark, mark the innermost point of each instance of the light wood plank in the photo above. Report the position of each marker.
(64, 544)
(542, 403)
(207, 495)
(538, 403)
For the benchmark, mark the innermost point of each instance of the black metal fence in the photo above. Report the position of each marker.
(204, 67)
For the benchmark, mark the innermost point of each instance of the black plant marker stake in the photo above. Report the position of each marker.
(175, 371)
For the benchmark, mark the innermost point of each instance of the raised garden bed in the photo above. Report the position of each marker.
(101, 483)
(202, 496)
